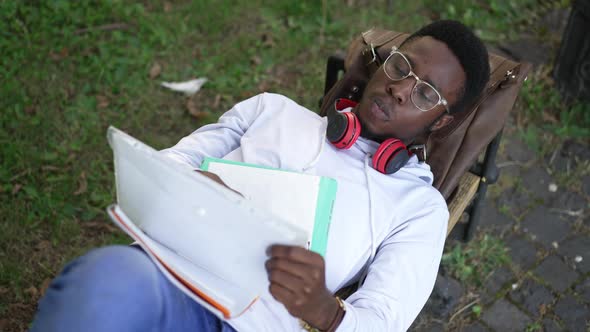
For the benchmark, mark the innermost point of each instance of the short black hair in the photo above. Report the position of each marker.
(469, 50)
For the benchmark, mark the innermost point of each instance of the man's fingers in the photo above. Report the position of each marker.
(293, 283)
(294, 253)
(280, 293)
(298, 270)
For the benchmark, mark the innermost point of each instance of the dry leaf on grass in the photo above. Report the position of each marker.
(82, 184)
(63, 53)
(267, 40)
(30, 110)
(71, 157)
(17, 187)
(188, 87)
(100, 226)
(156, 70)
(102, 102)
(45, 285)
(193, 110)
(49, 168)
(32, 291)
(216, 101)
(547, 117)
(43, 245)
(20, 174)
(256, 60)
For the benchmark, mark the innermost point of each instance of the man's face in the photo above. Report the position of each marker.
(386, 109)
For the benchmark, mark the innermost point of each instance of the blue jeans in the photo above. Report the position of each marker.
(119, 288)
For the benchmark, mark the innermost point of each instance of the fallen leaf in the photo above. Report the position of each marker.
(30, 110)
(20, 174)
(256, 60)
(193, 110)
(216, 101)
(542, 309)
(102, 102)
(155, 71)
(43, 245)
(63, 53)
(32, 291)
(262, 86)
(49, 168)
(167, 6)
(82, 184)
(267, 40)
(45, 285)
(549, 117)
(18, 306)
(100, 225)
(16, 188)
(188, 87)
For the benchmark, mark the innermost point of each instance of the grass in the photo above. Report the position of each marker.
(70, 69)
(66, 76)
(472, 263)
(543, 109)
(496, 20)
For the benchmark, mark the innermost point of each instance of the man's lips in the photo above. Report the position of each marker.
(380, 111)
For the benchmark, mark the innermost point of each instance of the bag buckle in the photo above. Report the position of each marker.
(417, 149)
(374, 59)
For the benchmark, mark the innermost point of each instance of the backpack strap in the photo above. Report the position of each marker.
(373, 40)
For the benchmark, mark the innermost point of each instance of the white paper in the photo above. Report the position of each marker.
(205, 222)
(291, 196)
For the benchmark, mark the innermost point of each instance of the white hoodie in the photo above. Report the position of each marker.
(390, 227)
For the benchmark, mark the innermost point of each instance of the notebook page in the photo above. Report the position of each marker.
(291, 196)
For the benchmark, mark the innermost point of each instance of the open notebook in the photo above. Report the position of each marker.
(208, 240)
(303, 200)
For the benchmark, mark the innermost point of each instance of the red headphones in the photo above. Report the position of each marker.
(345, 128)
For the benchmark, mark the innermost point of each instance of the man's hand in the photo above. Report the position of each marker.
(298, 280)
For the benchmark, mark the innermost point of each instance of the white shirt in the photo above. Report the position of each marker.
(393, 225)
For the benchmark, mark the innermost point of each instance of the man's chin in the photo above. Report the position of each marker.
(368, 133)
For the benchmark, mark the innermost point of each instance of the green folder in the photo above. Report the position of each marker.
(326, 194)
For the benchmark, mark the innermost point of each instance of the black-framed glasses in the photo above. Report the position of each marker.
(424, 96)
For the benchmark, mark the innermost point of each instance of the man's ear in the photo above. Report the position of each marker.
(443, 121)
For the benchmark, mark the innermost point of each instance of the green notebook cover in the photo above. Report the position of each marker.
(325, 203)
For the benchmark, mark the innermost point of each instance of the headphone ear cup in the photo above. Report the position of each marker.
(343, 129)
(391, 155)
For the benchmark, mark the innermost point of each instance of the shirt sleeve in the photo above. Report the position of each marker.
(217, 139)
(401, 277)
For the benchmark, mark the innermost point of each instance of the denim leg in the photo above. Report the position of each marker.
(119, 288)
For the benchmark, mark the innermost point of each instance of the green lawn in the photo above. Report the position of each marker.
(70, 69)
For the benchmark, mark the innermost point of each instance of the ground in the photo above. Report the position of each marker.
(69, 70)
(544, 226)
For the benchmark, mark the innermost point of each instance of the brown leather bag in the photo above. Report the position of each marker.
(452, 150)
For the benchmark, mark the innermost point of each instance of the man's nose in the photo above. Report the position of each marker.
(401, 90)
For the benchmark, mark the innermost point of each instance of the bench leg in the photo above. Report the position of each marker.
(489, 175)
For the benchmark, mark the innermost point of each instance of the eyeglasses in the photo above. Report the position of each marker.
(424, 96)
